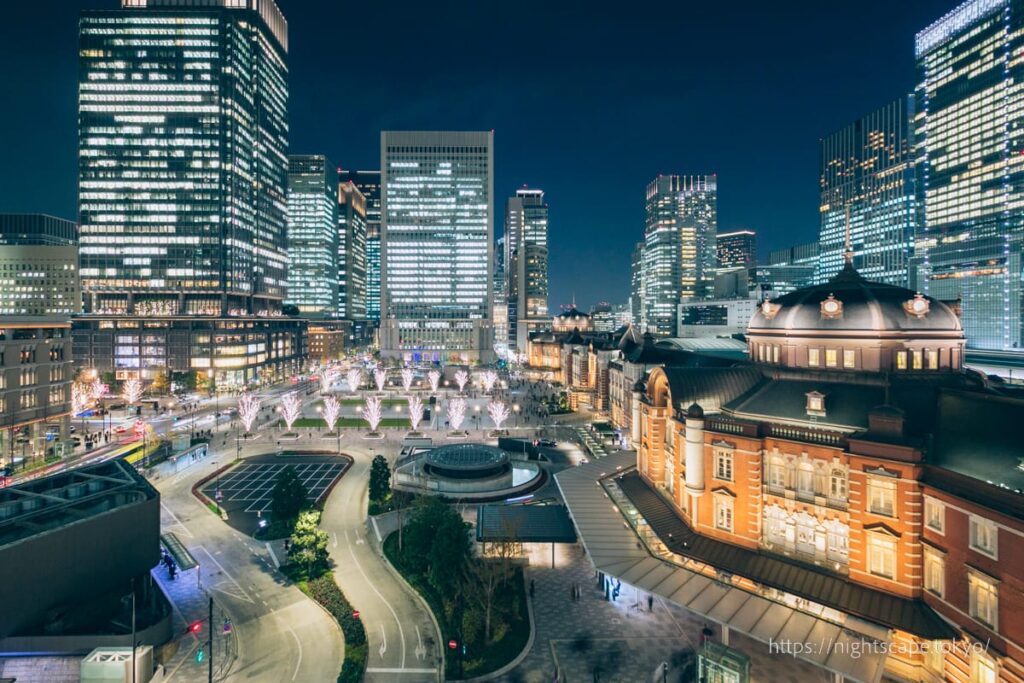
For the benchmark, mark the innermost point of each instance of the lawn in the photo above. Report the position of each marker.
(510, 603)
(390, 402)
(348, 423)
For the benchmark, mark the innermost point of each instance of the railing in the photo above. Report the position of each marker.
(805, 434)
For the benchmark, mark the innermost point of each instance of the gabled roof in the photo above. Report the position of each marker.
(846, 405)
(711, 388)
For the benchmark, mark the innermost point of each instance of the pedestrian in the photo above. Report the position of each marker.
(650, 603)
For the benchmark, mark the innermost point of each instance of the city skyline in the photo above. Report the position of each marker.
(781, 204)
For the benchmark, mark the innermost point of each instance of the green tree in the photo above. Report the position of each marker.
(289, 496)
(449, 552)
(380, 479)
(309, 543)
(161, 383)
(419, 533)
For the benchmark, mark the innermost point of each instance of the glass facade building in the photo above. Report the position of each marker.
(313, 261)
(183, 176)
(868, 176)
(368, 182)
(737, 249)
(351, 252)
(437, 237)
(679, 249)
(526, 249)
(636, 287)
(971, 169)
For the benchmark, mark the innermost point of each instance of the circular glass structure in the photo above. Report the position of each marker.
(467, 461)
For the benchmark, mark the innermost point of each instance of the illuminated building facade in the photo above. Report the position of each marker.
(737, 249)
(313, 235)
(679, 247)
(38, 266)
(636, 287)
(868, 176)
(816, 478)
(501, 308)
(368, 182)
(351, 252)
(971, 112)
(526, 249)
(437, 237)
(183, 174)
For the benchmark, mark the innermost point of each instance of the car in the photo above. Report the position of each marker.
(71, 429)
(120, 429)
(547, 443)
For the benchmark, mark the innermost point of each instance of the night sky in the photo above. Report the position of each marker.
(587, 104)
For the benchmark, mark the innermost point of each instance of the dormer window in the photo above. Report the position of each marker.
(816, 403)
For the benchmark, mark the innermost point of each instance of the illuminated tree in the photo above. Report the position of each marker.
(498, 412)
(80, 397)
(461, 377)
(355, 378)
(291, 408)
(435, 379)
(373, 412)
(131, 391)
(97, 389)
(328, 377)
(415, 411)
(456, 412)
(407, 376)
(380, 375)
(332, 410)
(248, 409)
(488, 379)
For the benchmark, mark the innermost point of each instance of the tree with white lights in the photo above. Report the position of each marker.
(248, 410)
(415, 411)
(380, 375)
(328, 377)
(355, 378)
(80, 397)
(373, 412)
(456, 412)
(435, 379)
(488, 379)
(407, 377)
(97, 389)
(461, 377)
(498, 412)
(332, 410)
(131, 391)
(291, 408)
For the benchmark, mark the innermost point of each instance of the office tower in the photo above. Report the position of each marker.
(500, 305)
(636, 287)
(679, 250)
(183, 172)
(39, 293)
(437, 233)
(786, 270)
(602, 317)
(351, 252)
(312, 235)
(971, 114)
(526, 235)
(737, 249)
(867, 178)
(368, 182)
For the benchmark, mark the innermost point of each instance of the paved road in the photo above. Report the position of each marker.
(403, 643)
(282, 636)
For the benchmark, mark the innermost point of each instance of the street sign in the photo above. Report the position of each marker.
(355, 614)
(452, 644)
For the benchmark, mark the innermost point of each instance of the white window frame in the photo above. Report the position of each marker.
(935, 515)
(882, 555)
(977, 524)
(777, 467)
(984, 612)
(934, 572)
(849, 359)
(723, 461)
(991, 669)
(814, 357)
(831, 358)
(724, 512)
(934, 656)
(838, 474)
(878, 485)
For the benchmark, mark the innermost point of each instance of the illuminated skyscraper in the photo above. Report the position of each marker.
(183, 171)
(526, 248)
(679, 246)
(351, 252)
(971, 138)
(636, 286)
(437, 236)
(368, 182)
(313, 235)
(737, 249)
(867, 174)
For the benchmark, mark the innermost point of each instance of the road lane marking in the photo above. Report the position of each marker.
(277, 564)
(401, 633)
(383, 641)
(298, 662)
(378, 670)
(175, 518)
(376, 529)
(244, 596)
(421, 651)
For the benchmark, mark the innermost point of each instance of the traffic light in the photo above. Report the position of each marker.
(196, 626)
(200, 655)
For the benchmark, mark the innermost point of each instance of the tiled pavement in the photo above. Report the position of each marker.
(622, 641)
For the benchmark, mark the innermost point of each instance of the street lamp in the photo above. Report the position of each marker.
(515, 409)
